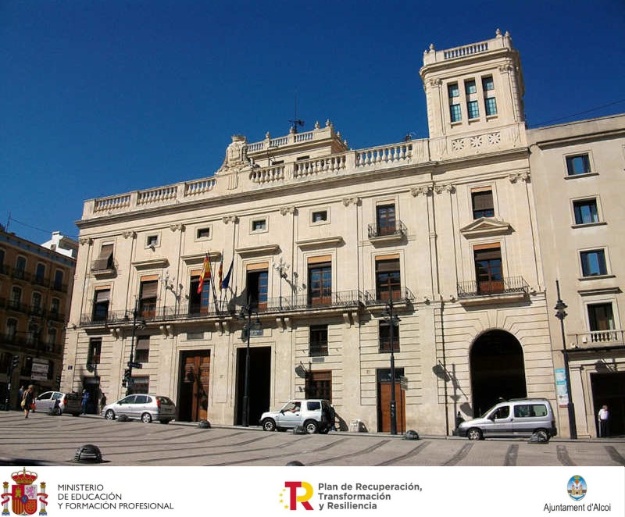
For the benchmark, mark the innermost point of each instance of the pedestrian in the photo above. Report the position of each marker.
(27, 400)
(102, 401)
(604, 421)
(85, 400)
(20, 396)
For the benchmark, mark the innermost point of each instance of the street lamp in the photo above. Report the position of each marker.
(131, 361)
(561, 314)
(282, 268)
(390, 316)
(246, 314)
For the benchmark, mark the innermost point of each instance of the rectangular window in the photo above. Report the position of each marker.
(473, 110)
(15, 302)
(257, 284)
(482, 202)
(151, 241)
(387, 279)
(318, 340)
(40, 274)
(386, 221)
(470, 87)
(101, 304)
(11, 331)
(203, 233)
(95, 351)
(593, 263)
(319, 385)
(199, 302)
(142, 349)
(36, 303)
(104, 262)
(319, 216)
(52, 336)
(488, 84)
(389, 336)
(58, 280)
(55, 307)
(488, 269)
(455, 113)
(586, 211)
(259, 225)
(453, 93)
(147, 298)
(601, 322)
(490, 104)
(320, 283)
(20, 267)
(578, 164)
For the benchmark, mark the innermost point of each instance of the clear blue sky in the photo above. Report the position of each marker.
(100, 97)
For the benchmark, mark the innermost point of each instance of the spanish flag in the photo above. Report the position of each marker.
(205, 275)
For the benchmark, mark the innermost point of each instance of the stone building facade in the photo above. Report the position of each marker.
(411, 269)
(577, 171)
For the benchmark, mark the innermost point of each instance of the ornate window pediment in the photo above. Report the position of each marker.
(255, 251)
(485, 227)
(324, 242)
(154, 263)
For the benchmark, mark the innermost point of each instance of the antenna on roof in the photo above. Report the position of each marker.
(296, 121)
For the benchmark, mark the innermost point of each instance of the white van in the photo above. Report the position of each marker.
(515, 417)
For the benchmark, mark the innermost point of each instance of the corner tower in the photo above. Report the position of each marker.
(474, 88)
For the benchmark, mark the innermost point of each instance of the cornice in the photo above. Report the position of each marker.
(254, 251)
(325, 242)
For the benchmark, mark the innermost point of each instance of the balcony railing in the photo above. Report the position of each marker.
(380, 296)
(221, 309)
(396, 230)
(506, 286)
(599, 338)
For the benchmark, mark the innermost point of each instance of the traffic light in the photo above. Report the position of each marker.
(126, 379)
(16, 362)
(58, 380)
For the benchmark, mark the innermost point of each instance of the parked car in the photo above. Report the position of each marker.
(315, 415)
(58, 403)
(143, 407)
(516, 417)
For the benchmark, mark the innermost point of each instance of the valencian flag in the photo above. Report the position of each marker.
(226, 281)
(205, 275)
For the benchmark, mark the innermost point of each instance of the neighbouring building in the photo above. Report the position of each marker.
(35, 291)
(410, 272)
(578, 175)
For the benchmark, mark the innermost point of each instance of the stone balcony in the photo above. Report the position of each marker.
(596, 339)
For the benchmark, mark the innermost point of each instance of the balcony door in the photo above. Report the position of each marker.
(386, 219)
(320, 283)
(488, 270)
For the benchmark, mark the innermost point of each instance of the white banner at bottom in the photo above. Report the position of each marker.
(269, 491)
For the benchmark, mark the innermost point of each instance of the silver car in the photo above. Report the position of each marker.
(51, 402)
(142, 407)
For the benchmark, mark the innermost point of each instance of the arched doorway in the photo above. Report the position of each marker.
(497, 370)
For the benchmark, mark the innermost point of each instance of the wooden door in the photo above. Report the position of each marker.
(384, 407)
(193, 404)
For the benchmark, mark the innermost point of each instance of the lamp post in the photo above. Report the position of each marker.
(246, 314)
(131, 361)
(561, 314)
(390, 316)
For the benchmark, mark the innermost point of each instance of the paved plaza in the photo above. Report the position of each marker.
(54, 440)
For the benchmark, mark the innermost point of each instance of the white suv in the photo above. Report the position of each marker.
(315, 415)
